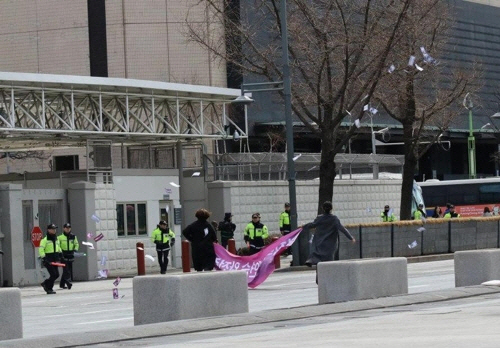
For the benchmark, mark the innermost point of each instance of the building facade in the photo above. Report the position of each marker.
(112, 38)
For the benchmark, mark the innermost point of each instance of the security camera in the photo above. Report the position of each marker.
(236, 135)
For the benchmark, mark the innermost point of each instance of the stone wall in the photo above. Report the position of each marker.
(355, 201)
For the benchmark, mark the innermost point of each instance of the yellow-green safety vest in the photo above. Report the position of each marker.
(47, 247)
(68, 244)
(157, 236)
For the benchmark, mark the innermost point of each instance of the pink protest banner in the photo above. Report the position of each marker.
(258, 266)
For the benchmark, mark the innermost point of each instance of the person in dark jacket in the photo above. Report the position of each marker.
(437, 213)
(226, 229)
(202, 236)
(326, 236)
(50, 251)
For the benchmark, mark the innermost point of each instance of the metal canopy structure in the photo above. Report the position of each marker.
(40, 110)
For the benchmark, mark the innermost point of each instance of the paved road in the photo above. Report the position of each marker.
(89, 306)
(469, 322)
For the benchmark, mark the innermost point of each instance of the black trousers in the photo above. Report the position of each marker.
(288, 250)
(53, 275)
(203, 260)
(223, 242)
(163, 259)
(67, 274)
(254, 250)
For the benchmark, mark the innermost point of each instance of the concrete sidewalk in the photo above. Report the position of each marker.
(243, 320)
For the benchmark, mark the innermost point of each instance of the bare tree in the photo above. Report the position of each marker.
(339, 52)
(276, 140)
(22, 155)
(421, 92)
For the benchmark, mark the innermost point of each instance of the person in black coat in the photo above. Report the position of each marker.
(326, 236)
(226, 228)
(202, 236)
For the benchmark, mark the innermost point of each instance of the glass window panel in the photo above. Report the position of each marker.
(141, 218)
(489, 188)
(131, 228)
(120, 219)
(470, 199)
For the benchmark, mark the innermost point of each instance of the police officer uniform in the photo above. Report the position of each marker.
(50, 251)
(255, 233)
(285, 226)
(451, 213)
(419, 213)
(386, 217)
(164, 238)
(69, 244)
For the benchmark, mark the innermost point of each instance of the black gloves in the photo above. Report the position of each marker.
(172, 242)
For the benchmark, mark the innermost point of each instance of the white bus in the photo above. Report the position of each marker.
(469, 197)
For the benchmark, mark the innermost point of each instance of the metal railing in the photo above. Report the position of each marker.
(273, 166)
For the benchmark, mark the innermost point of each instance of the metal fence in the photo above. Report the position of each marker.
(273, 166)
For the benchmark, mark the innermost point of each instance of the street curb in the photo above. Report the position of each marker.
(244, 319)
(412, 259)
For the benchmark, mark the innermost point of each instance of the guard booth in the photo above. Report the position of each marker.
(123, 141)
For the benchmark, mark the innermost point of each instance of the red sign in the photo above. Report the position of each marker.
(36, 236)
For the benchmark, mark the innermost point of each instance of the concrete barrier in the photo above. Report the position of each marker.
(11, 318)
(190, 295)
(474, 267)
(340, 281)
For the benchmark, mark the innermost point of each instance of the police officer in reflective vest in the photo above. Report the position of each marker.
(164, 238)
(387, 215)
(452, 213)
(69, 244)
(50, 251)
(255, 234)
(419, 213)
(285, 227)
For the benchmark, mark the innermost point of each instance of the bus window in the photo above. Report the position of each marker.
(470, 196)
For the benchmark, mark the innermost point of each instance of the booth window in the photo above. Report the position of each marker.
(131, 219)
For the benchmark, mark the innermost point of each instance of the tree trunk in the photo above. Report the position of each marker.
(407, 185)
(326, 169)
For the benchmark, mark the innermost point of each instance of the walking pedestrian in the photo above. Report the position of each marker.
(69, 244)
(255, 233)
(164, 238)
(226, 228)
(202, 236)
(326, 236)
(50, 251)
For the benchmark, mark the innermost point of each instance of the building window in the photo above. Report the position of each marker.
(66, 163)
(131, 219)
